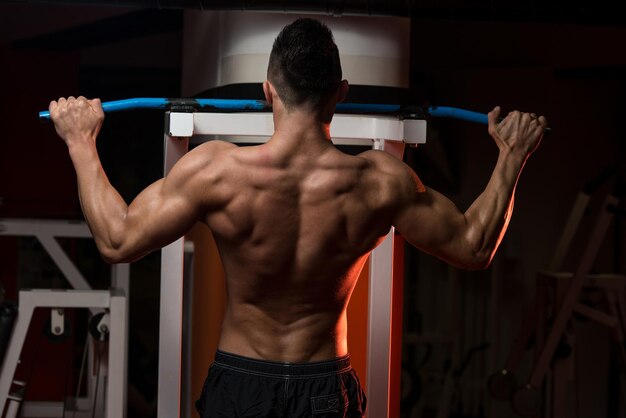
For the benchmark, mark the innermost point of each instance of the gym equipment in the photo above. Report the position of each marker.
(109, 306)
(235, 105)
(381, 127)
(384, 342)
(8, 312)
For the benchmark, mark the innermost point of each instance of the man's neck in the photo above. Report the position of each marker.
(300, 128)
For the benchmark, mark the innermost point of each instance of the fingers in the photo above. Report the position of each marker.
(63, 103)
(533, 123)
(512, 117)
(74, 107)
(56, 106)
(543, 122)
(96, 105)
(493, 118)
(75, 99)
(523, 118)
(82, 101)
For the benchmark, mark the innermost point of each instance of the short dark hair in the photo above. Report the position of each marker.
(304, 64)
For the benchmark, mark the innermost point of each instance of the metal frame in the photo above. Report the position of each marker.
(386, 133)
(114, 300)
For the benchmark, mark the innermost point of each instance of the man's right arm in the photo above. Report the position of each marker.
(160, 214)
(431, 222)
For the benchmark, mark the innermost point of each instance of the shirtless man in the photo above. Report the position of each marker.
(294, 220)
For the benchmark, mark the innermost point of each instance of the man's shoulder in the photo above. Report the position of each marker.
(208, 152)
(384, 162)
(205, 157)
(392, 172)
(215, 146)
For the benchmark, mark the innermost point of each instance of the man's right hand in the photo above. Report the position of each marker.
(77, 120)
(519, 132)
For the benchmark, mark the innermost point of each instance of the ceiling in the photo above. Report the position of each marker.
(593, 12)
(577, 28)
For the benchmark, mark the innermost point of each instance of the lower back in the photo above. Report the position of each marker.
(251, 332)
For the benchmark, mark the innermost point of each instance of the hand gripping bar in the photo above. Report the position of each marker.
(236, 105)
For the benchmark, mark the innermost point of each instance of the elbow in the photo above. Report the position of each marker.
(113, 255)
(477, 260)
(473, 261)
(110, 255)
(479, 251)
(116, 247)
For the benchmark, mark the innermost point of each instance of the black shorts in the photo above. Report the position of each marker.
(242, 387)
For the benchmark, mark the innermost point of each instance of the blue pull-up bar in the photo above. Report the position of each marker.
(260, 105)
(231, 105)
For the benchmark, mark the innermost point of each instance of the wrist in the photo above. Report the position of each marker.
(82, 149)
(513, 156)
(509, 166)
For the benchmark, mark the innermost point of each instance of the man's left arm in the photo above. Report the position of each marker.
(160, 214)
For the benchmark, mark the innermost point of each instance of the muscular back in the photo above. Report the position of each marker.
(293, 218)
(293, 229)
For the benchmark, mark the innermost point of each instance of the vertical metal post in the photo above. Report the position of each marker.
(171, 301)
(12, 355)
(186, 395)
(384, 322)
(118, 343)
(118, 346)
(379, 328)
(120, 278)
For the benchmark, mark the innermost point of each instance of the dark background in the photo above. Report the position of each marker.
(566, 60)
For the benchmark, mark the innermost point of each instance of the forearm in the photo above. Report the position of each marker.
(103, 207)
(157, 216)
(488, 217)
(433, 223)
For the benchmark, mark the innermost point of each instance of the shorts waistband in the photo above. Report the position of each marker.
(279, 369)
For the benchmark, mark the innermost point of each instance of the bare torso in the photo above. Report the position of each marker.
(294, 219)
(294, 226)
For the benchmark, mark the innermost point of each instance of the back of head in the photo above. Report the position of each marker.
(304, 64)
